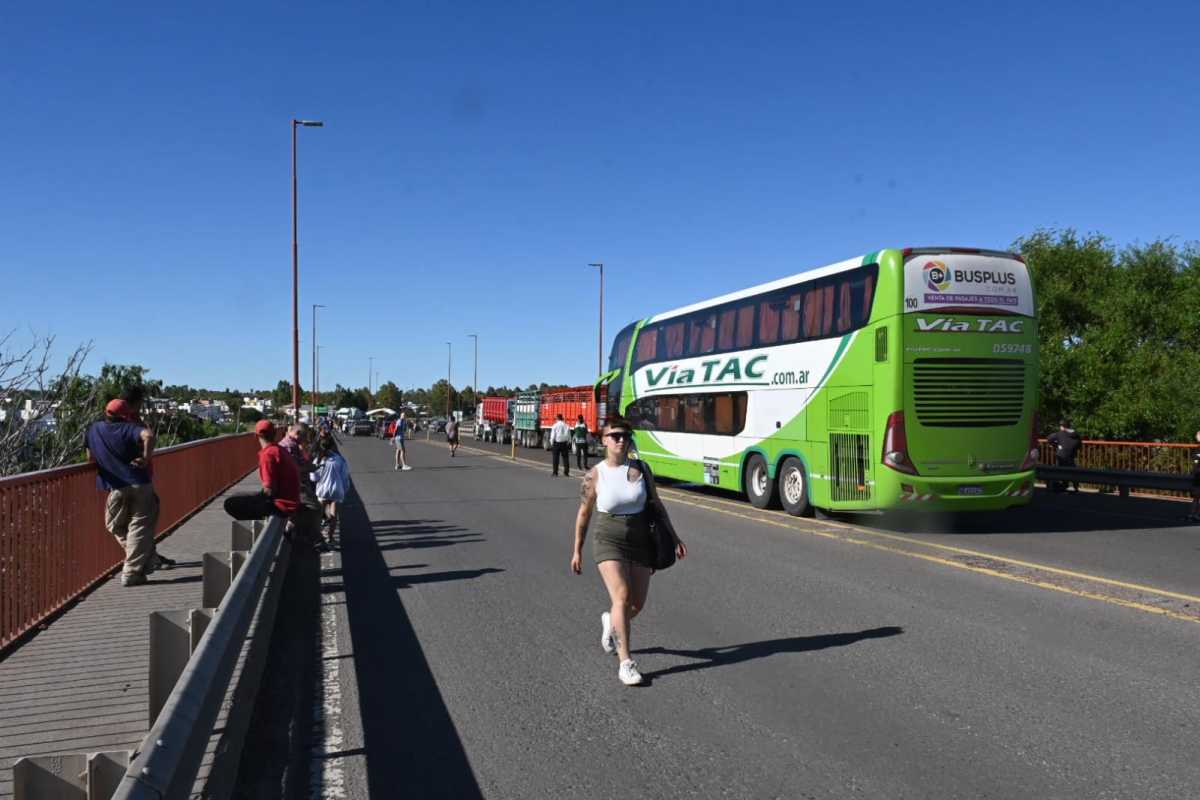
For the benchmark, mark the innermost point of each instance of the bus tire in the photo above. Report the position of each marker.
(793, 487)
(759, 486)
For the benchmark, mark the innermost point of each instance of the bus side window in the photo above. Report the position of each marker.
(694, 416)
(675, 334)
(791, 317)
(727, 329)
(723, 414)
(647, 346)
(745, 325)
(812, 314)
(768, 321)
(845, 320)
(702, 338)
(668, 413)
(863, 298)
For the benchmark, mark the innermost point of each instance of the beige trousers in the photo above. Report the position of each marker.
(131, 515)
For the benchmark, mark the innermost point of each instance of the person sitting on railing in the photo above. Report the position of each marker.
(1066, 444)
(280, 493)
(123, 452)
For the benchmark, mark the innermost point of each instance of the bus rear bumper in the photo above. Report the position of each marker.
(992, 492)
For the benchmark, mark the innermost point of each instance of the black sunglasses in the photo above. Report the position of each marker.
(619, 436)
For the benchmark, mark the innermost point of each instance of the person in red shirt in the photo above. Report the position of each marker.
(280, 481)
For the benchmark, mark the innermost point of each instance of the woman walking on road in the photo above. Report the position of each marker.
(620, 490)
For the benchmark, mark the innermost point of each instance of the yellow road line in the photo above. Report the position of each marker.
(764, 516)
(958, 564)
(967, 552)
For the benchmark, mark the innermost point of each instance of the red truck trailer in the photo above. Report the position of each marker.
(492, 423)
(571, 403)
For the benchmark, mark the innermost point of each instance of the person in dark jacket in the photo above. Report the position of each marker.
(1066, 444)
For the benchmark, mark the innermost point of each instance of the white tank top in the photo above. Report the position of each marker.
(614, 492)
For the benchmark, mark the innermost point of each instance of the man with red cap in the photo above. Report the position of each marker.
(280, 481)
(122, 451)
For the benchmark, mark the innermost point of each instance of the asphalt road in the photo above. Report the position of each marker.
(784, 658)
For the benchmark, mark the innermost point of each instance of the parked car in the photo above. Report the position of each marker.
(439, 426)
(361, 427)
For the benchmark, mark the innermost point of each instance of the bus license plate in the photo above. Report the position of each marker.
(970, 490)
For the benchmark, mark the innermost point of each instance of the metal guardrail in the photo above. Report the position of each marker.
(194, 654)
(53, 544)
(166, 763)
(1162, 461)
(1124, 480)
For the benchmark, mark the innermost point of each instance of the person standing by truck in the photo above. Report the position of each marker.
(560, 442)
(1066, 444)
(579, 436)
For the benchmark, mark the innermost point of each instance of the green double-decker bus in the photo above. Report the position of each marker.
(904, 378)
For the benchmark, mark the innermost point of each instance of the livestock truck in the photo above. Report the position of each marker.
(527, 421)
(493, 421)
(571, 403)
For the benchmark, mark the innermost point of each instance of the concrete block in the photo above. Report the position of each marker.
(173, 637)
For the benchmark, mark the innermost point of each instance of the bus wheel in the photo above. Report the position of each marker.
(760, 488)
(793, 487)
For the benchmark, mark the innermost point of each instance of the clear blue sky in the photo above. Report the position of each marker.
(477, 156)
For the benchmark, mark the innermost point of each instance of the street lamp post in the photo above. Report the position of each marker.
(296, 273)
(314, 357)
(475, 384)
(449, 353)
(370, 376)
(600, 344)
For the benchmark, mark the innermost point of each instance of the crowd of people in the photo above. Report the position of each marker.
(304, 478)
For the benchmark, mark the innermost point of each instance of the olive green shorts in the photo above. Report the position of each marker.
(622, 538)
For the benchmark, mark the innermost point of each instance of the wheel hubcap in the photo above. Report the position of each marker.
(759, 479)
(793, 486)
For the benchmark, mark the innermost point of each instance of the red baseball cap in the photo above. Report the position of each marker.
(265, 428)
(118, 408)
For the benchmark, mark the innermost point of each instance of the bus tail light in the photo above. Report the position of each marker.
(1031, 456)
(895, 445)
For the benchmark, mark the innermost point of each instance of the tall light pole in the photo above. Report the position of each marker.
(449, 352)
(320, 347)
(370, 375)
(475, 384)
(600, 344)
(314, 371)
(307, 123)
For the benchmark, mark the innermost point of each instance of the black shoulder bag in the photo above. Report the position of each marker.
(661, 539)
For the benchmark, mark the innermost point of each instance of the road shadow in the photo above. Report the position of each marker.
(709, 657)
(398, 536)
(1049, 512)
(412, 747)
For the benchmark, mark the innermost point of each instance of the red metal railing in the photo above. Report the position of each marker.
(1134, 456)
(53, 545)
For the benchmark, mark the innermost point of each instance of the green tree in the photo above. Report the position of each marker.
(437, 398)
(282, 394)
(389, 396)
(1118, 333)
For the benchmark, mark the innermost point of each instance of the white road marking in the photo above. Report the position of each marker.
(327, 777)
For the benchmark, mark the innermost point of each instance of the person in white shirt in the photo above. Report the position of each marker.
(620, 492)
(560, 445)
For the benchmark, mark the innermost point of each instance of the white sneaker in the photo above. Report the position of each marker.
(406, 468)
(628, 673)
(608, 639)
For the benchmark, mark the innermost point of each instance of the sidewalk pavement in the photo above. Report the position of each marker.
(81, 684)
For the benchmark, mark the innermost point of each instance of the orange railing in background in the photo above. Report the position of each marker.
(1169, 457)
(53, 545)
